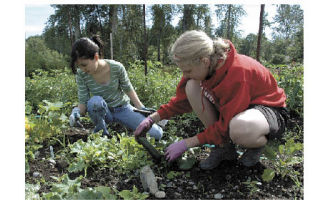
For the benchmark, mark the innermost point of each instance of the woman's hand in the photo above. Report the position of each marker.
(74, 118)
(175, 150)
(144, 126)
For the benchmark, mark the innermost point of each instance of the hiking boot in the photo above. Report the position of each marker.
(218, 154)
(251, 156)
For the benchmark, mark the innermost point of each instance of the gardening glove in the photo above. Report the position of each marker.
(161, 123)
(175, 150)
(74, 118)
(143, 127)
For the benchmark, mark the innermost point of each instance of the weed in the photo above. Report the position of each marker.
(283, 158)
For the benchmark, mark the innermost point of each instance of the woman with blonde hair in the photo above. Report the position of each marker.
(235, 97)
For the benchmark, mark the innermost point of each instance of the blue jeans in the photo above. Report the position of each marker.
(101, 116)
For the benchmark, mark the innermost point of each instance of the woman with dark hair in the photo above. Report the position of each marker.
(104, 89)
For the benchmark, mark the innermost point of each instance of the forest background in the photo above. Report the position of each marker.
(145, 32)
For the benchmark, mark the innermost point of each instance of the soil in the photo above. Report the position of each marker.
(227, 181)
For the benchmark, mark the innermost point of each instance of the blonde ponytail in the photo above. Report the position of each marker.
(193, 45)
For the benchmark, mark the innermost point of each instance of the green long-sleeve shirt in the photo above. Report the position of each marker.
(114, 92)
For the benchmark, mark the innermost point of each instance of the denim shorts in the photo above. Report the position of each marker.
(277, 118)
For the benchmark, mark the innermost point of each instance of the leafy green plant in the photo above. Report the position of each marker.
(283, 159)
(157, 87)
(31, 191)
(70, 189)
(186, 163)
(64, 189)
(54, 86)
(39, 56)
(252, 186)
(121, 156)
(290, 78)
(172, 174)
(90, 153)
(46, 126)
(50, 122)
(133, 195)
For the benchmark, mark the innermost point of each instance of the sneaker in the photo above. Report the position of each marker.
(218, 154)
(251, 157)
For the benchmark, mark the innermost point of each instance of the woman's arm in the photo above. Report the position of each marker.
(192, 142)
(135, 99)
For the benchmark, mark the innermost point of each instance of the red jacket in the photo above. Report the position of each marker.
(240, 82)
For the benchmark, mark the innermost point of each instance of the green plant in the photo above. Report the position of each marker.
(46, 126)
(157, 87)
(70, 189)
(172, 174)
(122, 156)
(186, 163)
(290, 78)
(88, 154)
(50, 122)
(283, 159)
(54, 86)
(64, 189)
(31, 191)
(132, 195)
(39, 56)
(252, 186)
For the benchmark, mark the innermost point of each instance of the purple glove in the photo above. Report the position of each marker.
(144, 126)
(175, 150)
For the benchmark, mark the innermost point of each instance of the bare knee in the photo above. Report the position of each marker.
(246, 133)
(239, 131)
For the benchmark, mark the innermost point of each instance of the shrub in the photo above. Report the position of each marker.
(54, 86)
(39, 56)
(290, 78)
(157, 87)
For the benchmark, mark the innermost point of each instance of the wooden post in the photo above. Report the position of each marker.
(145, 42)
(111, 46)
(260, 32)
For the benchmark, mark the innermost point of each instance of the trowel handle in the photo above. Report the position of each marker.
(153, 152)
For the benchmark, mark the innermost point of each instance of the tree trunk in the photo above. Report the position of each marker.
(114, 18)
(77, 31)
(158, 46)
(145, 41)
(228, 22)
(100, 22)
(70, 26)
(111, 47)
(260, 32)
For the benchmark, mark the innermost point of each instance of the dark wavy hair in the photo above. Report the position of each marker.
(85, 48)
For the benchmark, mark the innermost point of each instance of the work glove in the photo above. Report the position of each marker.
(143, 127)
(175, 150)
(74, 118)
